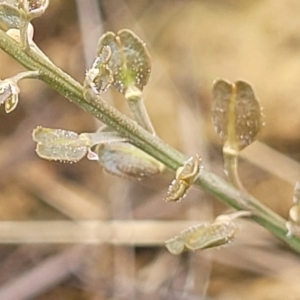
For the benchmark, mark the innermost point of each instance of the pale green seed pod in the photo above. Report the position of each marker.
(175, 245)
(126, 160)
(209, 236)
(202, 236)
(129, 62)
(236, 113)
(218, 233)
(61, 145)
(9, 17)
(177, 191)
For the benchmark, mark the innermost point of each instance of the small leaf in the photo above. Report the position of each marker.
(125, 160)
(185, 177)
(129, 61)
(58, 144)
(236, 114)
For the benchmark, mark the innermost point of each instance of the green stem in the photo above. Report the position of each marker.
(26, 75)
(23, 31)
(210, 182)
(134, 96)
(231, 168)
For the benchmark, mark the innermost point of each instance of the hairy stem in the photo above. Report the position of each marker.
(210, 182)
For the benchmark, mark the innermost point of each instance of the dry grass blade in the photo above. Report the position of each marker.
(138, 233)
(46, 275)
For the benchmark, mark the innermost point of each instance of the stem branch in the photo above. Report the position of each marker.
(146, 141)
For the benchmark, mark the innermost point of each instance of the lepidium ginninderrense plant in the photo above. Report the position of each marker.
(130, 147)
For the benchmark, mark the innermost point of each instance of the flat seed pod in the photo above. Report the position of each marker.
(236, 113)
(177, 191)
(130, 60)
(185, 177)
(209, 236)
(125, 160)
(9, 17)
(190, 170)
(100, 76)
(58, 144)
(199, 237)
(108, 39)
(175, 245)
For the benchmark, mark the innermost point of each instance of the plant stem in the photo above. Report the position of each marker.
(135, 100)
(231, 168)
(141, 138)
(23, 31)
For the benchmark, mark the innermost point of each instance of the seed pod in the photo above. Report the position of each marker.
(100, 77)
(202, 236)
(129, 61)
(126, 160)
(175, 245)
(209, 236)
(236, 114)
(185, 177)
(59, 144)
(177, 191)
(220, 232)
(9, 17)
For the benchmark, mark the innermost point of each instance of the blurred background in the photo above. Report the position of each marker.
(44, 251)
